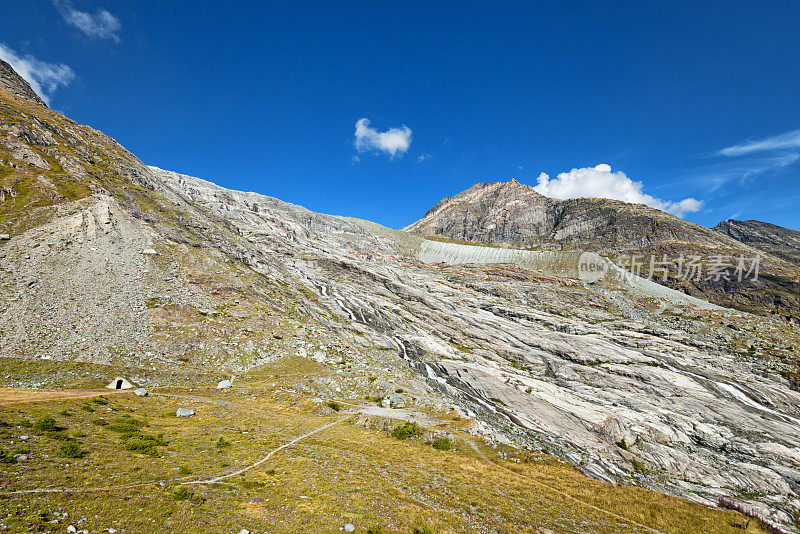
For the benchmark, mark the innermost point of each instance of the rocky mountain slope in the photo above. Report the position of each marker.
(170, 277)
(510, 213)
(776, 240)
(16, 84)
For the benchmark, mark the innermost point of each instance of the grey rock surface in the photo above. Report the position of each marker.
(16, 84)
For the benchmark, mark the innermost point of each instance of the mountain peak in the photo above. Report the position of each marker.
(11, 81)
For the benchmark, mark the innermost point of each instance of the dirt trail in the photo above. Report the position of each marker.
(21, 395)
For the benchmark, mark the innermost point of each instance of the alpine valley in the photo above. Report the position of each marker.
(454, 376)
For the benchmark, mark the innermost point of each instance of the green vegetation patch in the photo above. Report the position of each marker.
(407, 430)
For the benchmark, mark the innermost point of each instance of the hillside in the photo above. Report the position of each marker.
(566, 407)
(776, 240)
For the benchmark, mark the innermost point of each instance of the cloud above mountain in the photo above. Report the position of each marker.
(100, 25)
(601, 182)
(43, 77)
(391, 142)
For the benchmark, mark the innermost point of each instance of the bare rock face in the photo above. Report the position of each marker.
(16, 84)
(776, 240)
(496, 212)
(514, 213)
(112, 262)
(510, 213)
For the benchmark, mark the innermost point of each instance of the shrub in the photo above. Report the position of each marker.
(407, 430)
(222, 443)
(181, 493)
(26, 423)
(70, 449)
(621, 444)
(100, 400)
(125, 424)
(377, 529)
(183, 470)
(87, 408)
(100, 421)
(58, 436)
(45, 424)
(423, 529)
(399, 390)
(442, 444)
(143, 443)
(6, 458)
(638, 467)
(335, 406)
(65, 413)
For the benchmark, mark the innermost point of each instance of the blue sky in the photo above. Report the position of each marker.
(694, 100)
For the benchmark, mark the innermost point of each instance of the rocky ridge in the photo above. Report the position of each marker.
(776, 240)
(514, 214)
(16, 84)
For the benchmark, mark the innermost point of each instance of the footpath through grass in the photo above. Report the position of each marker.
(136, 464)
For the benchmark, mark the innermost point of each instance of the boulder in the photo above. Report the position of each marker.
(396, 401)
(141, 392)
(149, 251)
(349, 527)
(225, 384)
(184, 412)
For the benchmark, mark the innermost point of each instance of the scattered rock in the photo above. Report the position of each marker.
(141, 392)
(225, 384)
(184, 412)
(396, 401)
(349, 527)
(21, 457)
(149, 251)
(72, 528)
(4, 237)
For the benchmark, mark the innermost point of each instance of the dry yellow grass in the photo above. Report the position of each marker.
(345, 473)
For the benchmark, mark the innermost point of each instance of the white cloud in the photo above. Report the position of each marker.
(44, 77)
(355, 160)
(391, 142)
(777, 142)
(742, 170)
(600, 182)
(100, 25)
(423, 158)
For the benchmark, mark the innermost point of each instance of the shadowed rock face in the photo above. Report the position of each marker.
(114, 262)
(16, 84)
(514, 214)
(776, 240)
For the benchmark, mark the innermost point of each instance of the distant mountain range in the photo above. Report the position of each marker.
(514, 214)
